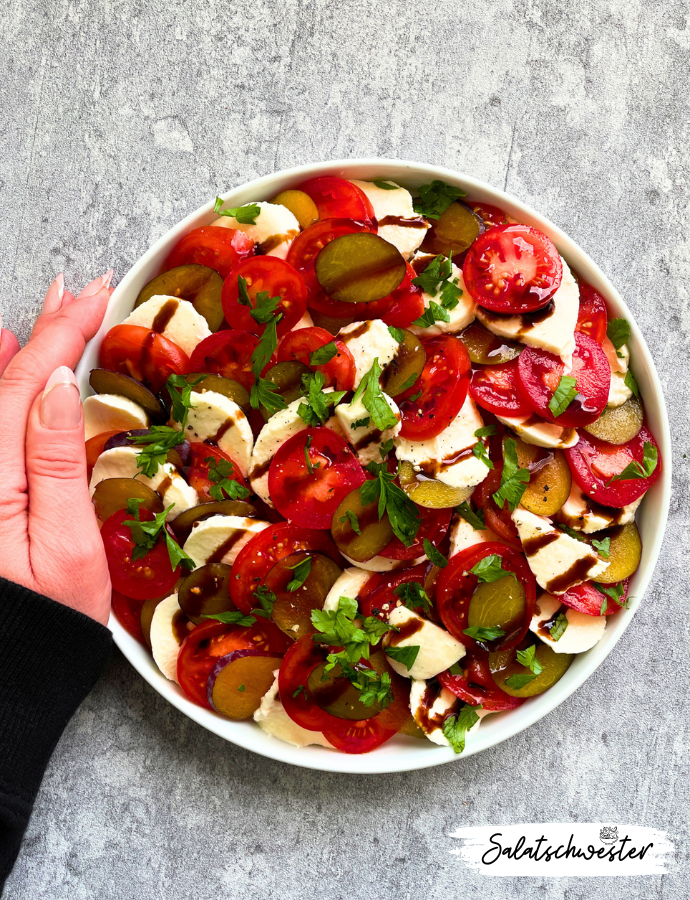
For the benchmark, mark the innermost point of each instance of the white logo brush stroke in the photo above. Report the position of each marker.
(558, 849)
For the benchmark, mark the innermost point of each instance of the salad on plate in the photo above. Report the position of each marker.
(367, 462)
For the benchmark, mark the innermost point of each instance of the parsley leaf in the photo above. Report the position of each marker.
(528, 659)
(563, 396)
(486, 431)
(264, 307)
(146, 534)
(220, 472)
(266, 599)
(650, 458)
(475, 519)
(336, 625)
(155, 447)
(232, 618)
(558, 628)
(618, 332)
(412, 595)
(432, 314)
(307, 458)
(613, 592)
(245, 215)
(300, 690)
(266, 347)
(456, 727)
(570, 531)
(181, 399)
(481, 633)
(353, 520)
(408, 384)
(433, 555)
(265, 393)
(414, 397)
(385, 186)
(406, 656)
(479, 450)
(374, 399)
(360, 423)
(323, 355)
(404, 516)
(491, 569)
(315, 411)
(631, 383)
(301, 573)
(519, 680)
(397, 334)
(435, 198)
(439, 270)
(603, 547)
(513, 480)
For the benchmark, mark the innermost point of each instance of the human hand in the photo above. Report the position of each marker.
(49, 537)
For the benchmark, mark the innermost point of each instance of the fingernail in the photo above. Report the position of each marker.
(61, 404)
(96, 285)
(53, 298)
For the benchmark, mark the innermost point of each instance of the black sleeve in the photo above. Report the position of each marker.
(50, 658)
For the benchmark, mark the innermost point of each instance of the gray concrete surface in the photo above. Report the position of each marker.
(120, 117)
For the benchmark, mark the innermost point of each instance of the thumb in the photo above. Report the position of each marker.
(67, 556)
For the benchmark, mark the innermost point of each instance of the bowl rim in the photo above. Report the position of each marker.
(408, 754)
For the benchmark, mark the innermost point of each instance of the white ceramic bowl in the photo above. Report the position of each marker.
(401, 753)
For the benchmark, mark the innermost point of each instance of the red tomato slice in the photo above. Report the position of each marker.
(378, 598)
(198, 471)
(274, 276)
(256, 559)
(142, 354)
(128, 614)
(497, 519)
(336, 198)
(226, 353)
(539, 374)
(456, 584)
(496, 388)
(309, 498)
(490, 215)
(206, 643)
(592, 316)
(407, 302)
(512, 269)
(299, 345)
(594, 463)
(141, 579)
(94, 448)
(585, 598)
(433, 526)
(219, 248)
(444, 382)
(477, 687)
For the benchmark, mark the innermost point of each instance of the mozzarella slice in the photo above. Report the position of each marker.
(349, 584)
(541, 433)
(382, 564)
(438, 650)
(553, 331)
(581, 513)
(558, 561)
(305, 322)
(274, 229)
(368, 341)
(279, 429)
(460, 317)
(219, 420)
(463, 535)
(431, 705)
(619, 391)
(166, 639)
(111, 412)
(391, 209)
(449, 457)
(175, 319)
(220, 538)
(366, 439)
(272, 718)
(581, 634)
(121, 462)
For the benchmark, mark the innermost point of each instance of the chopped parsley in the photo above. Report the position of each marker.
(374, 399)
(245, 215)
(414, 397)
(618, 332)
(406, 656)
(475, 519)
(156, 445)
(558, 628)
(631, 383)
(360, 423)
(323, 355)
(404, 516)
(435, 198)
(264, 307)
(486, 431)
(455, 728)
(232, 618)
(385, 186)
(528, 659)
(433, 555)
(397, 334)
(300, 690)
(316, 410)
(307, 458)
(412, 595)
(264, 392)
(613, 592)
(266, 600)
(479, 450)
(437, 276)
(181, 399)
(146, 534)
(513, 479)
(300, 574)
(220, 472)
(570, 531)
(650, 458)
(519, 680)
(408, 384)
(603, 547)
(484, 634)
(351, 517)
(491, 569)
(563, 396)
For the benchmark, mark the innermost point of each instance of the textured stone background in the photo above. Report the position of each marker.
(120, 117)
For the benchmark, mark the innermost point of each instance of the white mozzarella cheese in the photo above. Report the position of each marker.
(121, 462)
(619, 391)
(349, 584)
(397, 204)
(460, 317)
(438, 650)
(366, 439)
(581, 633)
(557, 560)
(274, 229)
(430, 716)
(272, 718)
(220, 538)
(218, 419)
(111, 412)
(463, 535)
(279, 429)
(367, 341)
(581, 513)
(555, 333)
(165, 643)
(382, 564)
(305, 322)
(175, 319)
(449, 457)
(541, 433)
